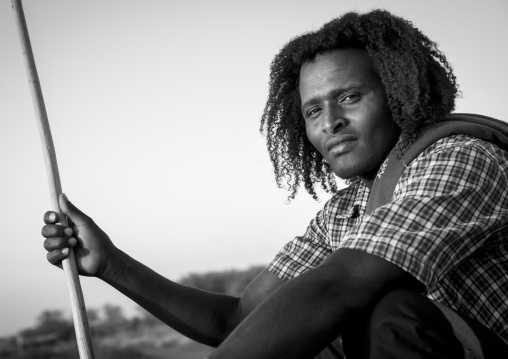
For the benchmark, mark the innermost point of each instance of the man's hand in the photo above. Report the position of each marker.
(92, 247)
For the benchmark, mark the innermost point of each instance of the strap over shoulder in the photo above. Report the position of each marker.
(482, 127)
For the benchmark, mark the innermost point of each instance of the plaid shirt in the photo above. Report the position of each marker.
(447, 225)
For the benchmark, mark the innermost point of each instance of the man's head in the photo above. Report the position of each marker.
(417, 84)
(346, 115)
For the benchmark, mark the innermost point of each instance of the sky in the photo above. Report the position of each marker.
(154, 108)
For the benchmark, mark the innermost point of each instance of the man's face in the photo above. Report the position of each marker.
(346, 114)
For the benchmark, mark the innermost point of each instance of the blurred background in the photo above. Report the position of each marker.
(155, 107)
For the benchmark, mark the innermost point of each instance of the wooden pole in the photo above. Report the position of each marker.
(83, 336)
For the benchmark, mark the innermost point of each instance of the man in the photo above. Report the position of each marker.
(341, 100)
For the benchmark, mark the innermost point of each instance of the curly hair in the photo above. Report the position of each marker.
(419, 84)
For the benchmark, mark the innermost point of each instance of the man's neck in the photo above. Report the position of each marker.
(368, 182)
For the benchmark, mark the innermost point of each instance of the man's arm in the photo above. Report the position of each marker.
(200, 315)
(303, 316)
(449, 202)
(203, 316)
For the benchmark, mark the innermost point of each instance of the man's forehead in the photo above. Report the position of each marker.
(342, 60)
(350, 65)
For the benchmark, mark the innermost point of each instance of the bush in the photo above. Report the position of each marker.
(232, 282)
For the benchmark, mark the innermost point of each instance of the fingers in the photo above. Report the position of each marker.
(58, 250)
(59, 238)
(51, 217)
(55, 257)
(55, 230)
(78, 217)
(57, 243)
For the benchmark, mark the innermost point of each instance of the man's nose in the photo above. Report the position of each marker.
(333, 119)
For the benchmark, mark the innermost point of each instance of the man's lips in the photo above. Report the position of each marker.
(338, 142)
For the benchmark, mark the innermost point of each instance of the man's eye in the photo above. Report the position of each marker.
(313, 112)
(351, 98)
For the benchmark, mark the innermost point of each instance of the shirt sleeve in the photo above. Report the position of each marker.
(303, 252)
(445, 206)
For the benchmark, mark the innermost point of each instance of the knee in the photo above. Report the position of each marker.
(400, 303)
(399, 311)
(391, 314)
(402, 324)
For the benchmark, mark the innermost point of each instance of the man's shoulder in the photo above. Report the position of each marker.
(466, 144)
(463, 130)
(456, 158)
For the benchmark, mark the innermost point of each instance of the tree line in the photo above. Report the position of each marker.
(114, 335)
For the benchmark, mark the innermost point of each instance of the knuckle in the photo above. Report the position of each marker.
(51, 258)
(53, 243)
(88, 222)
(46, 230)
(47, 245)
(53, 230)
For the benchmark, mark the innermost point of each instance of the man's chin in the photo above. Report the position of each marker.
(350, 174)
(345, 174)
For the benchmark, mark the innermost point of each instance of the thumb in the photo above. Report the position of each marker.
(72, 211)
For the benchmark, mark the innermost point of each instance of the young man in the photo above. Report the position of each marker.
(341, 100)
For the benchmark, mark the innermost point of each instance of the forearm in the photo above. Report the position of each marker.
(296, 321)
(202, 316)
(308, 312)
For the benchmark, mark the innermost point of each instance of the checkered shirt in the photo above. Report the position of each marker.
(447, 225)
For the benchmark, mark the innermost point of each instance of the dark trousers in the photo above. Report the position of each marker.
(408, 325)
